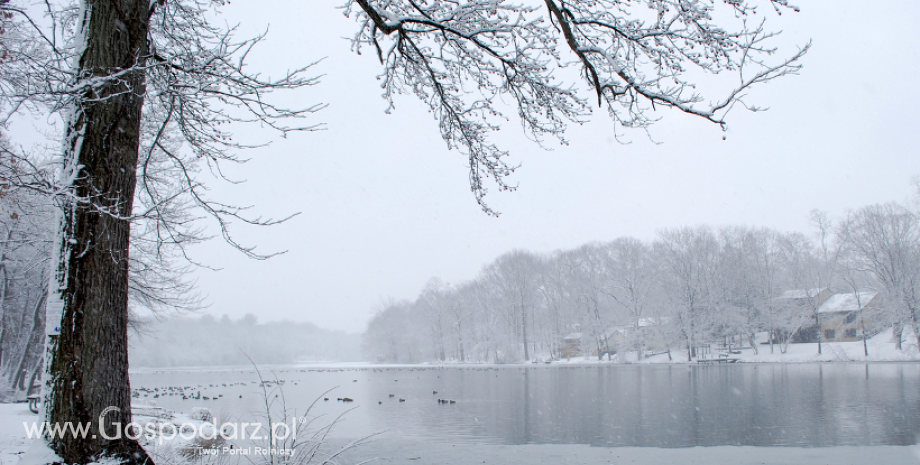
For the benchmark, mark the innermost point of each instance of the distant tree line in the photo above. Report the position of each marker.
(686, 289)
(206, 341)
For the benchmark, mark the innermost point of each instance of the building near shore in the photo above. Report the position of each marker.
(843, 316)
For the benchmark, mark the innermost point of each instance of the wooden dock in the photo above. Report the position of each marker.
(718, 360)
(721, 358)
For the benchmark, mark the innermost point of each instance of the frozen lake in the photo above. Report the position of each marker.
(607, 405)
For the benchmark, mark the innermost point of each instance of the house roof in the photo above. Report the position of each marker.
(572, 337)
(643, 323)
(846, 302)
(801, 293)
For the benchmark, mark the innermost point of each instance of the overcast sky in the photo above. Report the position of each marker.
(385, 206)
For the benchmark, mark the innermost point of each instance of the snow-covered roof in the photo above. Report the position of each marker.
(643, 323)
(572, 337)
(846, 302)
(801, 293)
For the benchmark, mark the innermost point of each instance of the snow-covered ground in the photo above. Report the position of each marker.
(406, 452)
(880, 348)
(19, 447)
(16, 449)
(13, 440)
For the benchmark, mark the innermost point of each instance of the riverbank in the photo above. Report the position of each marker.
(880, 348)
(388, 450)
(407, 452)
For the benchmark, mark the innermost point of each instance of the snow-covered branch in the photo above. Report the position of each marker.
(462, 58)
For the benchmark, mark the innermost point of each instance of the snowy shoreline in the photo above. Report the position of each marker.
(557, 363)
(404, 452)
(388, 449)
(881, 350)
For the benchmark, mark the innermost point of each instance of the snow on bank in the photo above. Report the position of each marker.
(17, 449)
(38, 453)
(880, 348)
(13, 440)
(405, 452)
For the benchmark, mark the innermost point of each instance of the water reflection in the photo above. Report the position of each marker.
(618, 405)
(672, 406)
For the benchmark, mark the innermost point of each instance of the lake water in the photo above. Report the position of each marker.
(605, 405)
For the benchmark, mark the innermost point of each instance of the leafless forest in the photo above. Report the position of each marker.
(688, 288)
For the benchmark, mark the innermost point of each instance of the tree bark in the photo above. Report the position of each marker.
(89, 364)
(35, 375)
(640, 344)
(597, 315)
(818, 330)
(862, 326)
(772, 333)
(752, 338)
(35, 339)
(524, 330)
(460, 340)
(4, 290)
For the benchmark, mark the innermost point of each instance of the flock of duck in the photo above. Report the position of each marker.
(195, 392)
(391, 396)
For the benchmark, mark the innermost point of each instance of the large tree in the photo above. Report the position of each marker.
(89, 367)
(144, 90)
(516, 278)
(886, 240)
(632, 275)
(690, 259)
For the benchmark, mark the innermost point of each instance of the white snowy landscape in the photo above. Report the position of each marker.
(462, 232)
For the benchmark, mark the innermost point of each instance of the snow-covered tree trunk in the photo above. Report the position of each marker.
(89, 365)
(36, 332)
(4, 292)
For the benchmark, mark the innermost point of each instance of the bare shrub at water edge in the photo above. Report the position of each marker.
(170, 455)
(301, 446)
(304, 444)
